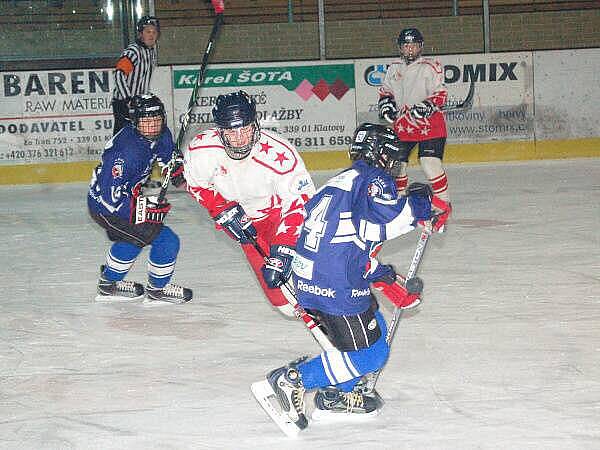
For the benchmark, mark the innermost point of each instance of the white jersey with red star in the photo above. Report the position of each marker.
(409, 84)
(271, 183)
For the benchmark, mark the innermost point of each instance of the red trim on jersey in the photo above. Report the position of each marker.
(435, 65)
(199, 147)
(287, 146)
(209, 198)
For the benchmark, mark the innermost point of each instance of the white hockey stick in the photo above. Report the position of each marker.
(371, 379)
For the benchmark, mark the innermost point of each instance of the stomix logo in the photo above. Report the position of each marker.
(501, 71)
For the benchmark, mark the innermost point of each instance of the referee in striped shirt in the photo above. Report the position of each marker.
(134, 69)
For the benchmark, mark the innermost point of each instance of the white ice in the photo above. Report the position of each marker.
(504, 352)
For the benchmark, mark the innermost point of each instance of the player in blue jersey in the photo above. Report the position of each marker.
(335, 268)
(133, 221)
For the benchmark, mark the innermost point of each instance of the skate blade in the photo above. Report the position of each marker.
(116, 299)
(148, 303)
(267, 399)
(322, 416)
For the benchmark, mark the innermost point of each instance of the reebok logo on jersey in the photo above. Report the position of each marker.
(316, 290)
(360, 292)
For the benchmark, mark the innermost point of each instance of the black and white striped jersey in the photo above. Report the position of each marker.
(134, 70)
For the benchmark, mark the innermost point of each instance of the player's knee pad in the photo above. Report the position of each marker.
(165, 247)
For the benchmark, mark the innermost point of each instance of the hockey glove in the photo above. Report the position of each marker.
(387, 109)
(150, 210)
(419, 199)
(391, 287)
(441, 212)
(236, 223)
(177, 178)
(278, 267)
(422, 110)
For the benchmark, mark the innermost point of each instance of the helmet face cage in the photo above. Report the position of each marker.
(147, 20)
(410, 36)
(237, 111)
(144, 106)
(378, 146)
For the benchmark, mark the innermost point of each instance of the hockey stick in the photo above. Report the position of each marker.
(467, 103)
(185, 121)
(371, 379)
(299, 312)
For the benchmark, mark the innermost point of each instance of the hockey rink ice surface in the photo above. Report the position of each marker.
(503, 353)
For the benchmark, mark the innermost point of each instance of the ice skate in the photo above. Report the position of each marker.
(171, 293)
(115, 291)
(335, 405)
(282, 396)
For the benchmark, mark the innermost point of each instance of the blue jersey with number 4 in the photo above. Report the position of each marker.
(347, 220)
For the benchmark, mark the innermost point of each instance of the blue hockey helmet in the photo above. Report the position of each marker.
(378, 146)
(148, 115)
(235, 117)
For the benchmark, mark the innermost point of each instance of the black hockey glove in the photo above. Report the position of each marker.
(422, 110)
(149, 210)
(387, 109)
(278, 269)
(234, 220)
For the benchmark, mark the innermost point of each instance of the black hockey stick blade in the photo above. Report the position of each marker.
(467, 103)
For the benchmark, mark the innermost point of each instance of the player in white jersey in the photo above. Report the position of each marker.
(410, 98)
(254, 184)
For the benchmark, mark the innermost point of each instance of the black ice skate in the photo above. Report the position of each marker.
(333, 404)
(282, 396)
(114, 291)
(171, 293)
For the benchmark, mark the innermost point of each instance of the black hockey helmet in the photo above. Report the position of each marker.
(410, 36)
(378, 146)
(147, 20)
(148, 105)
(236, 111)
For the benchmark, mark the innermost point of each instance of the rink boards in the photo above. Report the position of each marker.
(527, 106)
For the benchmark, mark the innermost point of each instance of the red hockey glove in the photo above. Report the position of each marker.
(218, 5)
(441, 211)
(392, 287)
(149, 210)
(234, 220)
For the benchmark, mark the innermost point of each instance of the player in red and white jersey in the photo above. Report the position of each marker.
(410, 98)
(254, 185)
